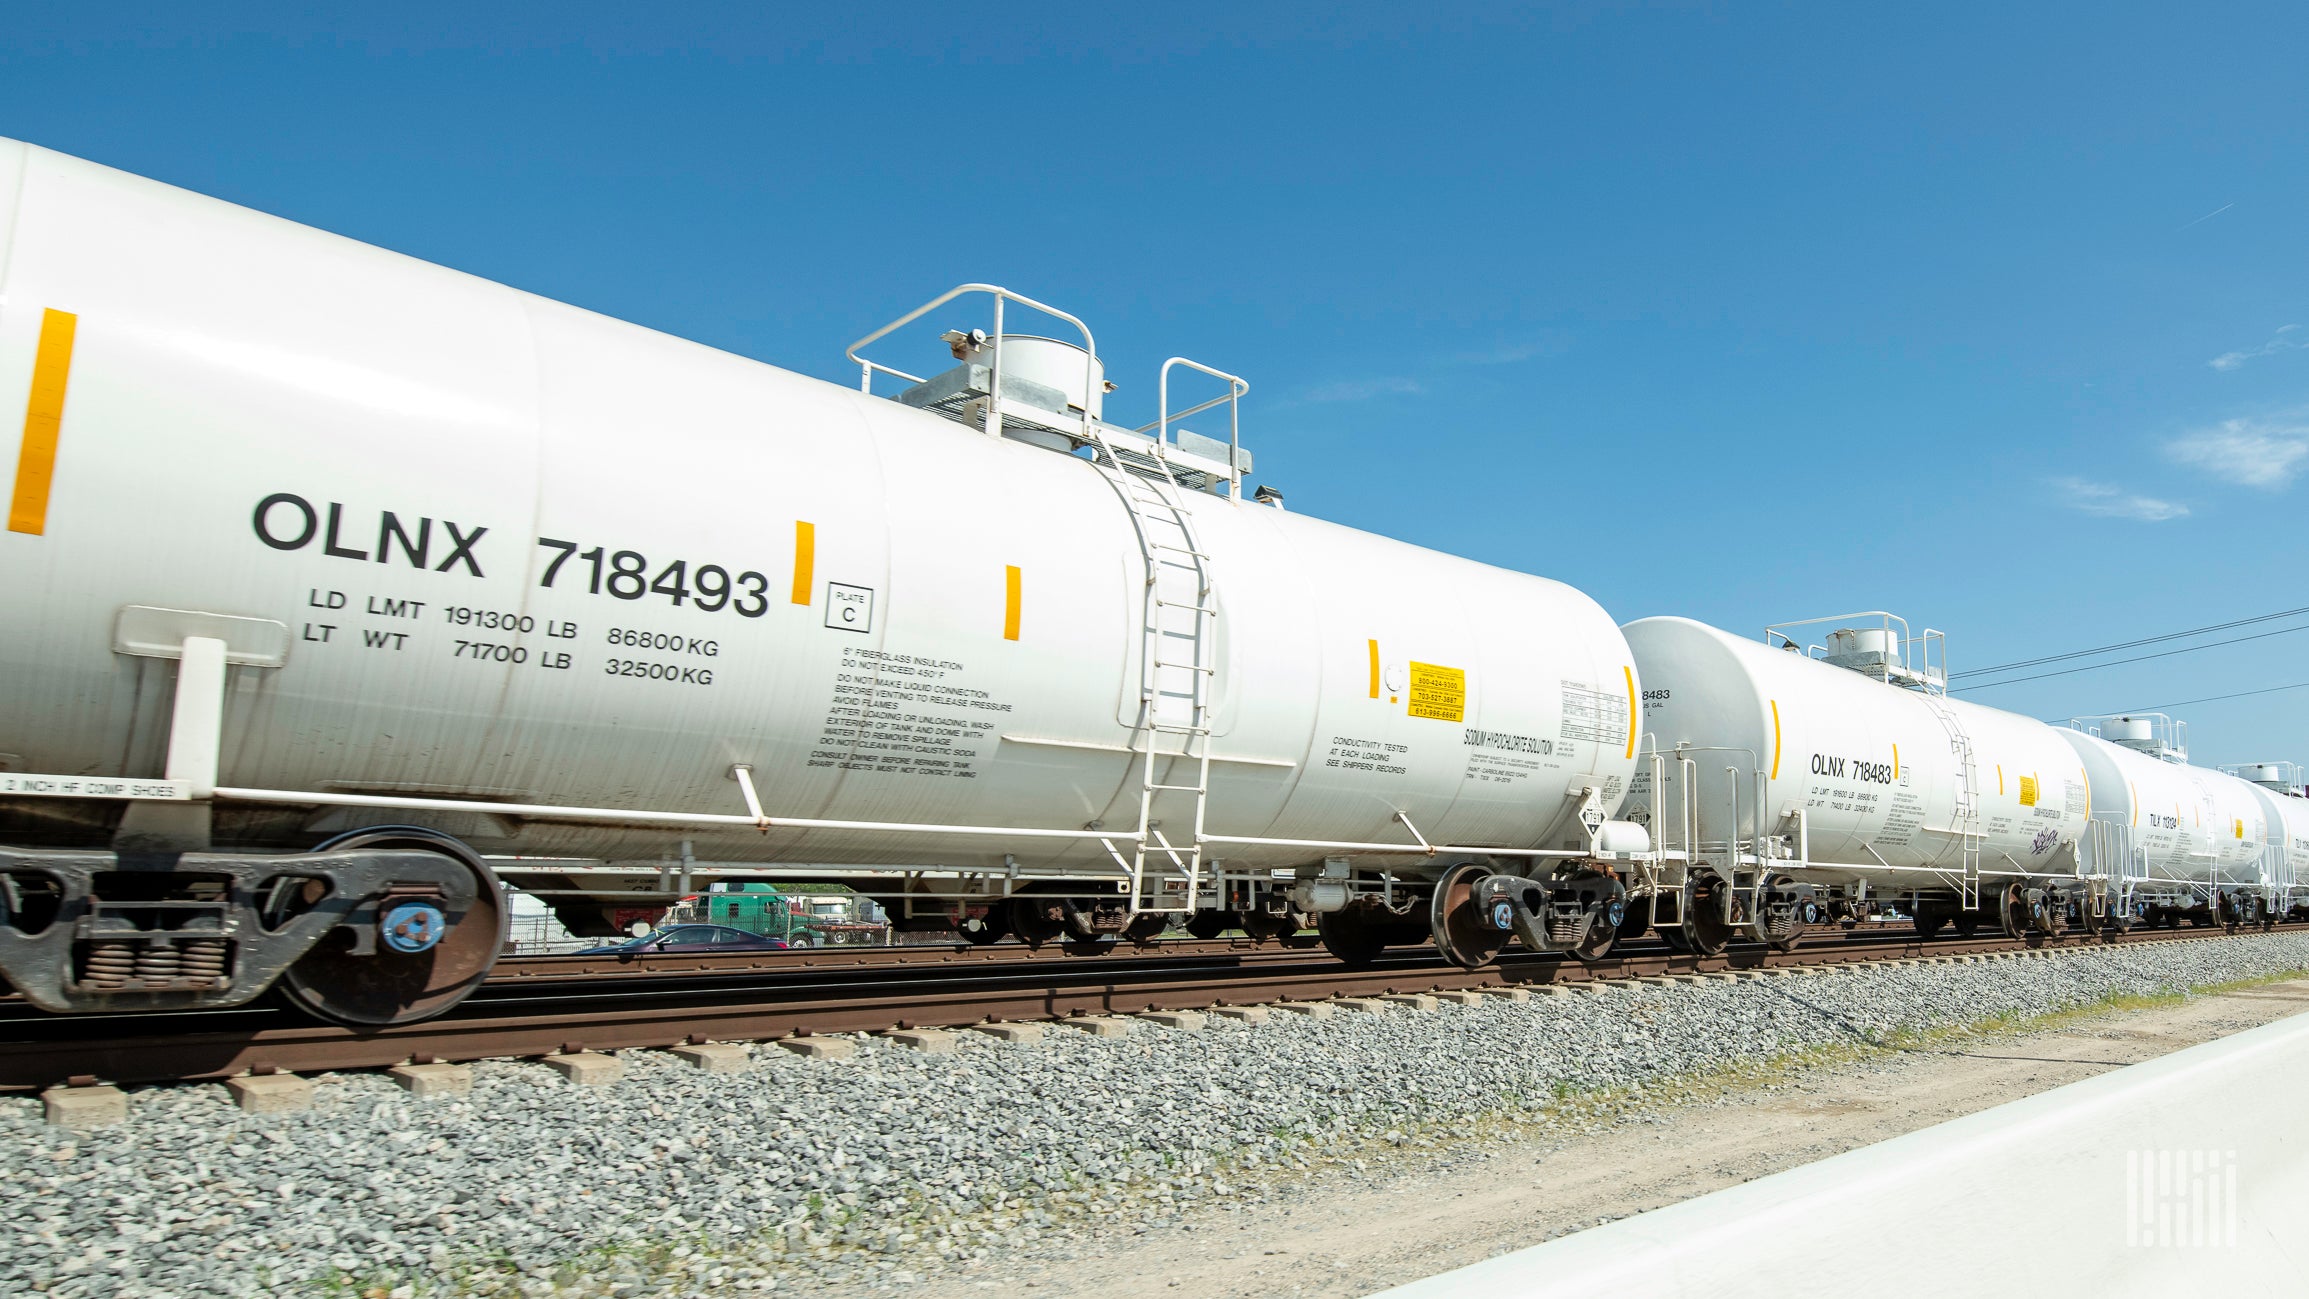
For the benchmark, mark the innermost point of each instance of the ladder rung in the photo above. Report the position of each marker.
(1181, 604)
(1184, 789)
(1183, 667)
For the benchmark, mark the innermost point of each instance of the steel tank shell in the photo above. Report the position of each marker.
(1873, 766)
(2286, 831)
(526, 554)
(2190, 824)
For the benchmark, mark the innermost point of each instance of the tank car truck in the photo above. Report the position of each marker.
(343, 591)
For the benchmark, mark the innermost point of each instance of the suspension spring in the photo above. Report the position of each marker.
(157, 960)
(204, 958)
(109, 964)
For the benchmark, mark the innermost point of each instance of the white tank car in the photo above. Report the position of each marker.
(1773, 761)
(2183, 837)
(308, 536)
(2278, 787)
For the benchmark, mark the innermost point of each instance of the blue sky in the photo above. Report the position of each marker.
(1995, 316)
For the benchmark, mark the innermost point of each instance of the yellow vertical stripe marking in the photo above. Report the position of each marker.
(43, 420)
(2000, 780)
(1374, 669)
(1632, 722)
(1896, 762)
(2135, 792)
(805, 561)
(1775, 739)
(1010, 598)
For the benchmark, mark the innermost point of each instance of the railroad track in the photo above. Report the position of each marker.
(539, 1006)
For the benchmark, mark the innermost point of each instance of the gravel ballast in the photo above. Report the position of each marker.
(897, 1166)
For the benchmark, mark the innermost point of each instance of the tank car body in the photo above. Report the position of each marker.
(311, 538)
(1820, 768)
(2185, 840)
(2278, 787)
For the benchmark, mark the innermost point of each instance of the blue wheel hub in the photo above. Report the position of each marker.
(412, 927)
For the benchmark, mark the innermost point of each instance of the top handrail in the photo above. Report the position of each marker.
(1001, 295)
(1236, 387)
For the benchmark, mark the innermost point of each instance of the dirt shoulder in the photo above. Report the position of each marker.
(1419, 1212)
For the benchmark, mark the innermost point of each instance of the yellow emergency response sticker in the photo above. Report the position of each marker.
(1438, 692)
(2028, 791)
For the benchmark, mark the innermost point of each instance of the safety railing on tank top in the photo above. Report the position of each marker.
(1002, 296)
(1236, 388)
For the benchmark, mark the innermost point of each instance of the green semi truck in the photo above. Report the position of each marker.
(802, 919)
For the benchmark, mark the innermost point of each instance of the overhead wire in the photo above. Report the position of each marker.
(2209, 699)
(2130, 644)
(2138, 658)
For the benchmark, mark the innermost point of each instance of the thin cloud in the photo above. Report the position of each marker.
(2256, 452)
(2288, 338)
(2104, 501)
(1549, 344)
(1364, 389)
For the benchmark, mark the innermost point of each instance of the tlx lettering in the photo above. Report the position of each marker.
(286, 521)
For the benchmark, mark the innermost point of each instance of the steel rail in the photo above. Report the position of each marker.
(524, 1018)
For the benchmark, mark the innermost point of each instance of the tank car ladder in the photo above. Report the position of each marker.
(1967, 803)
(1178, 635)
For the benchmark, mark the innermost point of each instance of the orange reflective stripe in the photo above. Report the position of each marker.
(805, 561)
(1631, 676)
(1010, 602)
(43, 421)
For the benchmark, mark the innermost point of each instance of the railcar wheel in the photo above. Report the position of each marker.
(1262, 926)
(1351, 935)
(1782, 910)
(1928, 924)
(1635, 919)
(1208, 924)
(992, 927)
(2009, 910)
(412, 975)
(1037, 920)
(1463, 934)
(1707, 928)
(1146, 927)
(1603, 931)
